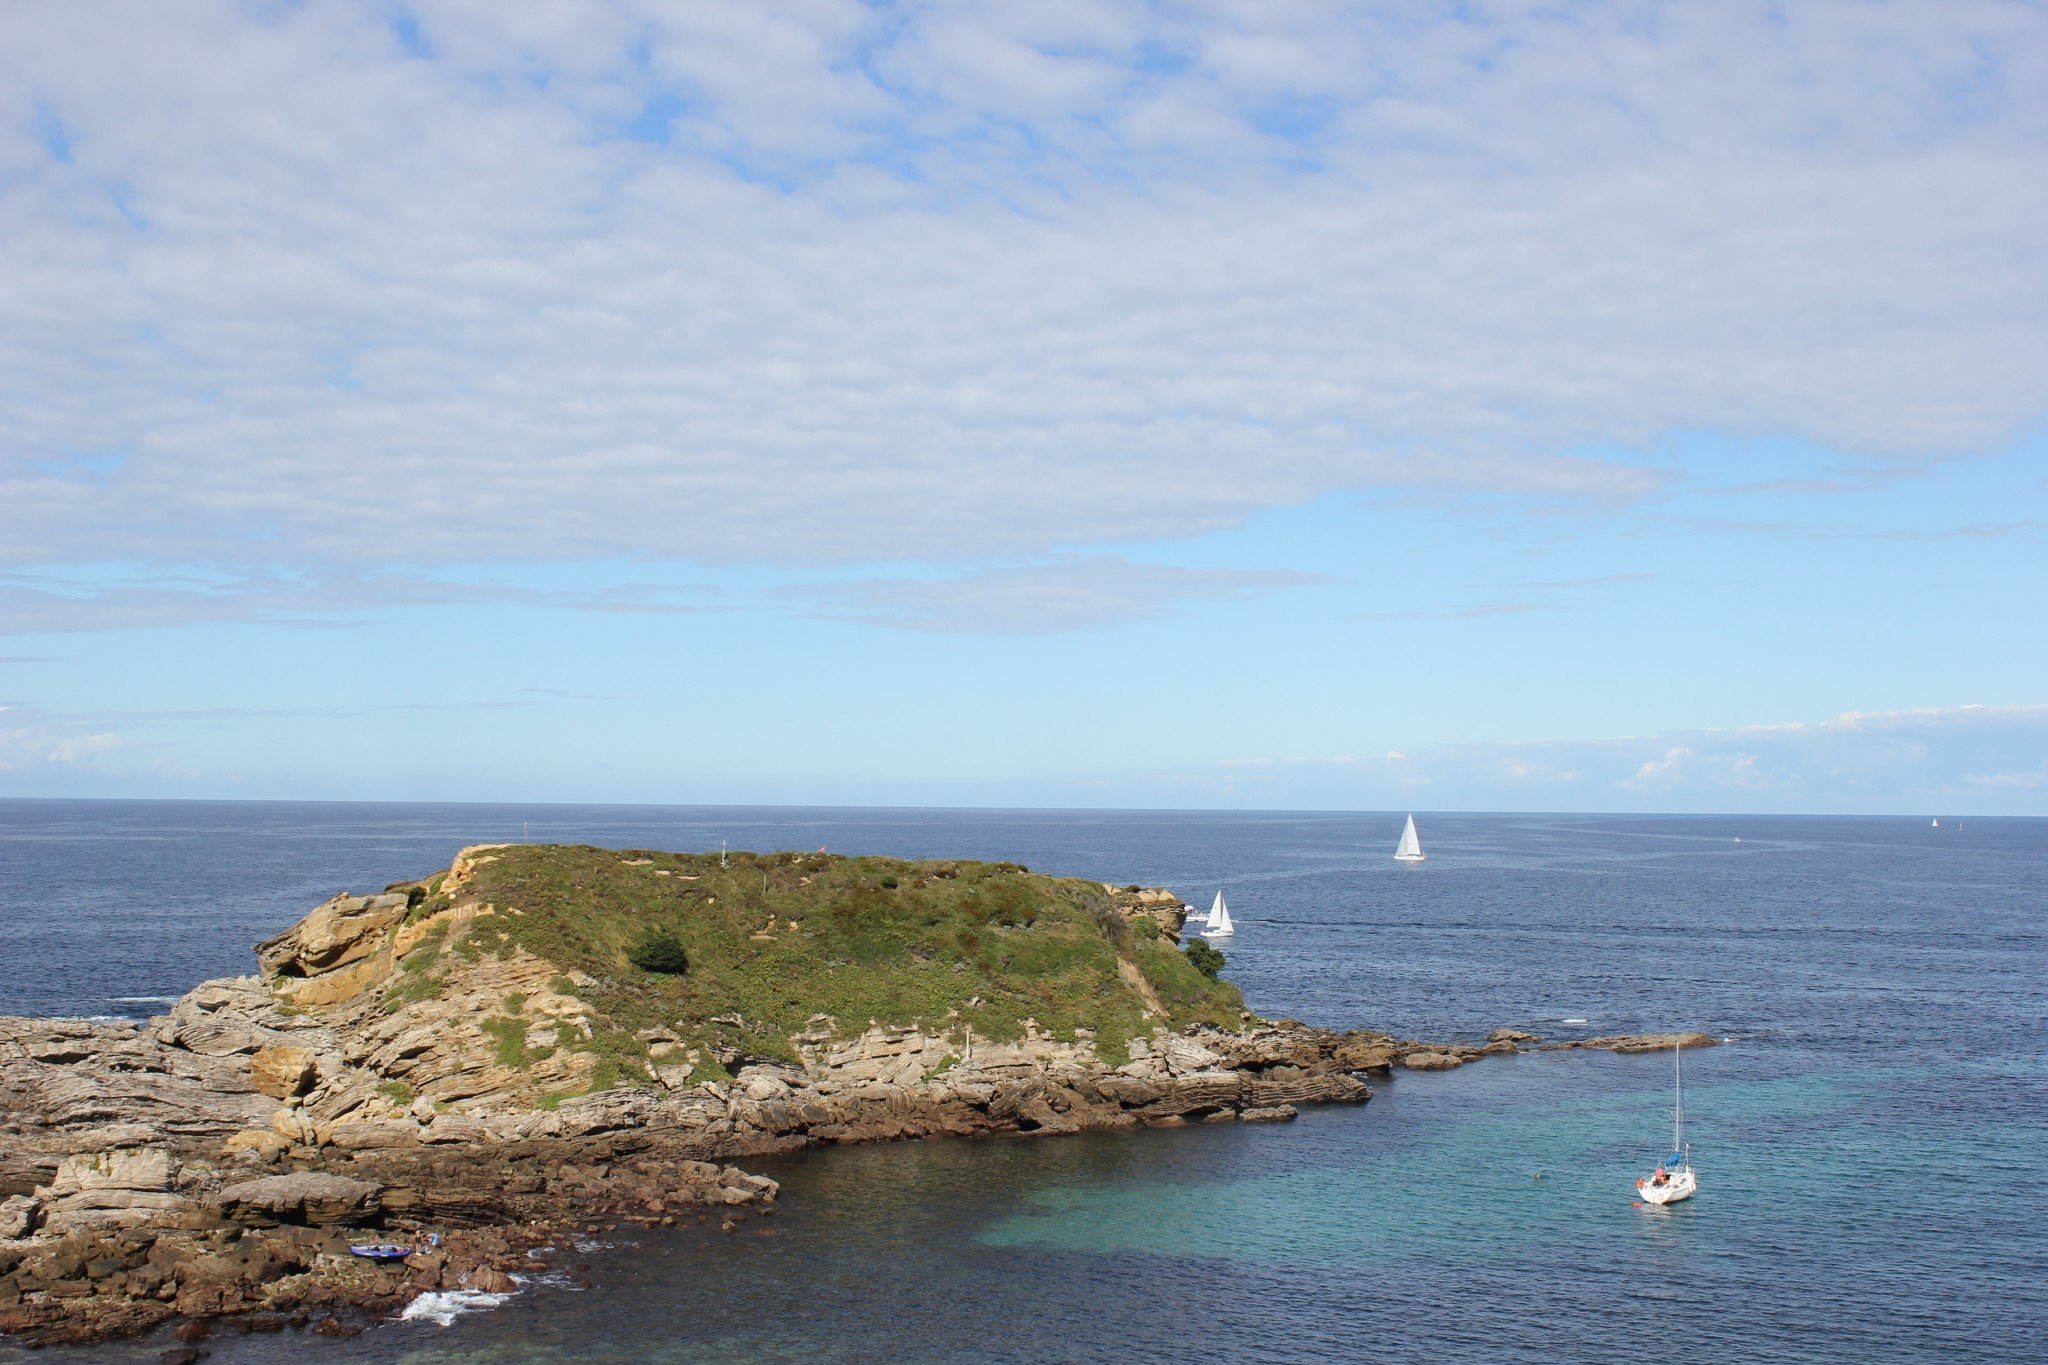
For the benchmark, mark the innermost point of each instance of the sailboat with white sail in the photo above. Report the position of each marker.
(1410, 848)
(1220, 925)
(1673, 1180)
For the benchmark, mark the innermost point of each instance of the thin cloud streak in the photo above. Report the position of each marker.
(1079, 592)
(1909, 759)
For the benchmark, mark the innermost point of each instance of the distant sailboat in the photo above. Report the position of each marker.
(1219, 920)
(1937, 822)
(1674, 1180)
(1410, 850)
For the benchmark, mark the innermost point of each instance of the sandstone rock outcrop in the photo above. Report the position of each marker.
(312, 1198)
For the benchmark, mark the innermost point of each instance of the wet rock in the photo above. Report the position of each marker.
(1512, 1035)
(1430, 1061)
(1639, 1042)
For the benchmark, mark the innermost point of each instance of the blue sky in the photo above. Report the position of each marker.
(1623, 407)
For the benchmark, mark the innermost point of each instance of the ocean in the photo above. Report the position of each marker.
(1871, 1142)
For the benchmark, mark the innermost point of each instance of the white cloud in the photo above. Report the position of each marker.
(1661, 771)
(34, 743)
(958, 282)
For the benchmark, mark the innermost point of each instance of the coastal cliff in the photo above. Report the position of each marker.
(544, 1039)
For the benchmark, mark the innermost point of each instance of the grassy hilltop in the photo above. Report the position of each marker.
(776, 939)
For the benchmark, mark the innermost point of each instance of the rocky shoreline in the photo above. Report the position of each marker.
(214, 1165)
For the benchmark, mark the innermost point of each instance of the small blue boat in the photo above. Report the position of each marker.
(379, 1251)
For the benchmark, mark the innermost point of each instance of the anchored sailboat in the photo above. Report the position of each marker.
(1674, 1179)
(1410, 850)
(1219, 920)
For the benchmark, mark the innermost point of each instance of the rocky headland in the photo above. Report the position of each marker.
(546, 1041)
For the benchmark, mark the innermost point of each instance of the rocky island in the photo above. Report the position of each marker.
(541, 1040)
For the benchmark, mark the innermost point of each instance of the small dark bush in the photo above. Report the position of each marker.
(888, 883)
(661, 952)
(1206, 960)
(413, 897)
(1133, 888)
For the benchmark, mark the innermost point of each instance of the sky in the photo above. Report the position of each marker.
(1603, 407)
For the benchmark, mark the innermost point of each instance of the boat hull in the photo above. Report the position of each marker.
(1680, 1186)
(1219, 933)
(1411, 857)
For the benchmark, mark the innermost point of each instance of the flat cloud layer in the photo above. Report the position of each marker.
(824, 284)
(1976, 757)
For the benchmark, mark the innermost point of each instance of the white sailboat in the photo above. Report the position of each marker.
(1937, 822)
(1219, 920)
(1674, 1180)
(1410, 849)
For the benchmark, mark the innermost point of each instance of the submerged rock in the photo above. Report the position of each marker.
(1639, 1042)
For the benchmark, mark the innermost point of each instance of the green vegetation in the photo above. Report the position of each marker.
(1206, 959)
(659, 951)
(774, 939)
(515, 1002)
(508, 1037)
(398, 1092)
(418, 980)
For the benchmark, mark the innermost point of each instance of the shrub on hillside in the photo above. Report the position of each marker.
(1205, 959)
(659, 951)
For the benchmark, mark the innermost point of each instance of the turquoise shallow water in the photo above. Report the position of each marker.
(1872, 1147)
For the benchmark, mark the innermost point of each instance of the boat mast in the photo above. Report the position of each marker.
(1677, 1105)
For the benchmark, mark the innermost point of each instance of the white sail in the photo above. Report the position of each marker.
(1410, 850)
(1219, 920)
(1937, 822)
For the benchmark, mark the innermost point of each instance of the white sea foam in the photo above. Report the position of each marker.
(552, 1279)
(1573, 1021)
(443, 1306)
(142, 999)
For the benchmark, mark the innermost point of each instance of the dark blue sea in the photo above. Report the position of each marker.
(1872, 1144)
